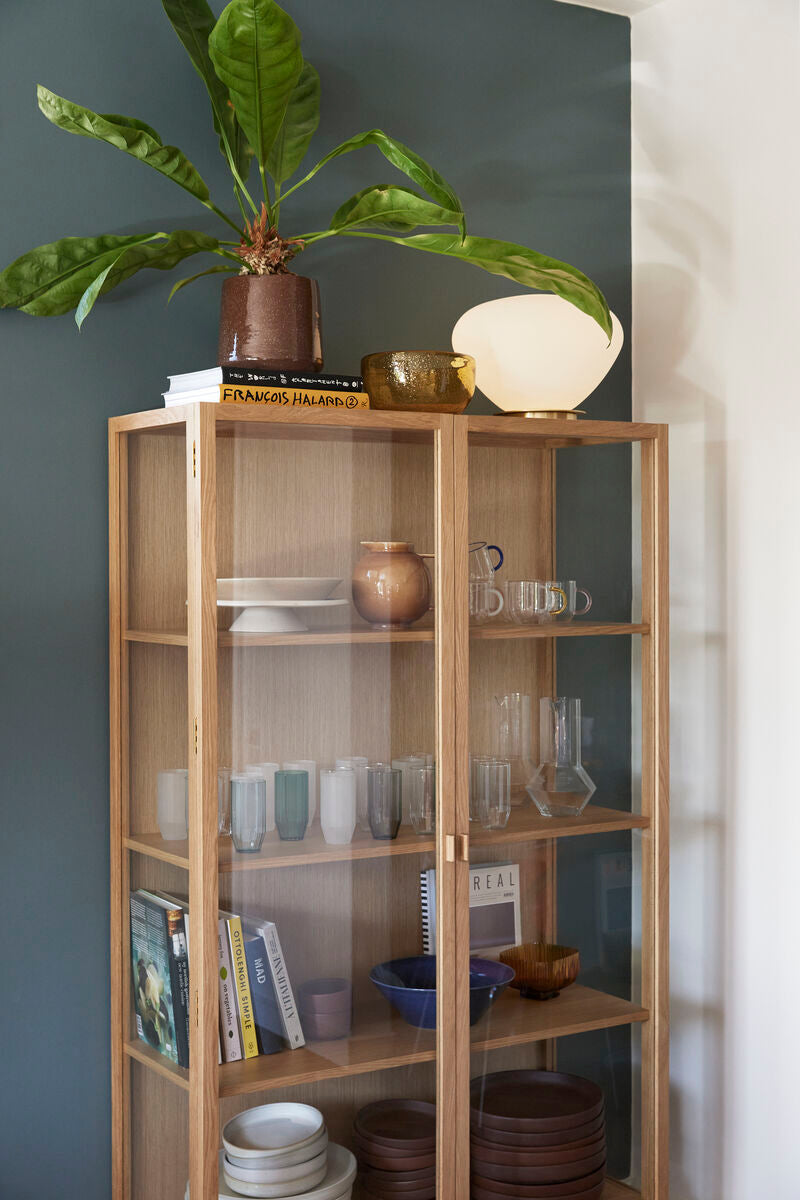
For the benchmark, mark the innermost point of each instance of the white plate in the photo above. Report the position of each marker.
(301, 588)
(276, 1191)
(287, 1159)
(240, 602)
(277, 1174)
(271, 1129)
(337, 1184)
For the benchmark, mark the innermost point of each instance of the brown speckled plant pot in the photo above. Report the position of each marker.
(270, 321)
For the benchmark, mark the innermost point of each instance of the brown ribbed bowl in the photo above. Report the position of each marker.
(542, 969)
(419, 380)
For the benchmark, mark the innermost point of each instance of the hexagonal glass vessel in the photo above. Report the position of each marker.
(561, 787)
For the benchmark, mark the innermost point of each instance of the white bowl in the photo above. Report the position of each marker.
(276, 1191)
(289, 1158)
(272, 1174)
(536, 353)
(251, 590)
(337, 1184)
(271, 1129)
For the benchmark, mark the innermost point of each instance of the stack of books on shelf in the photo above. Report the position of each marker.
(279, 389)
(257, 1009)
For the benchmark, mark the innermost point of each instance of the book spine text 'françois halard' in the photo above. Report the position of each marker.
(287, 397)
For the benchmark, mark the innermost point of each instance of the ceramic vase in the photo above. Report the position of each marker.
(270, 321)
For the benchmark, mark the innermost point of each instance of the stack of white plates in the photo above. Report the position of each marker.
(277, 1151)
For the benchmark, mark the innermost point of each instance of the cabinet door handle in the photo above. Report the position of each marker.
(456, 847)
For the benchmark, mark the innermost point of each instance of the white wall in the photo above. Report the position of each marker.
(716, 209)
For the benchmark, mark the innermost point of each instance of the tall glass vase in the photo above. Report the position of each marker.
(514, 741)
(561, 787)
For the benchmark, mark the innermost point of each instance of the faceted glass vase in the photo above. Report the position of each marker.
(561, 787)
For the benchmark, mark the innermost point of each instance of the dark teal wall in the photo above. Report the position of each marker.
(522, 105)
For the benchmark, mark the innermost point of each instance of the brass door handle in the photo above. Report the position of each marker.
(456, 847)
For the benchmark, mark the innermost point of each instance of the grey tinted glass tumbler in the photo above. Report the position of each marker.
(248, 811)
(384, 800)
(291, 804)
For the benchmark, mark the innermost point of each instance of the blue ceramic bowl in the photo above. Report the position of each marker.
(409, 984)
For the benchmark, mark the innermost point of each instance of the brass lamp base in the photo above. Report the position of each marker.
(568, 414)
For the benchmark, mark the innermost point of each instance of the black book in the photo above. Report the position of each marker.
(194, 380)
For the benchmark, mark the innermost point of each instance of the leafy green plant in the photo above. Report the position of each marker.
(265, 106)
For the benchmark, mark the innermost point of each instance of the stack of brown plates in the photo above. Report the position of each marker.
(536, 1135)
(395, 1144)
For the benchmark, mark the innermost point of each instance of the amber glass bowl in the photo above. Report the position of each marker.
(542, 969)
(419, 380)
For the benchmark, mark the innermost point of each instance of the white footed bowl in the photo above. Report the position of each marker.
(536, 353)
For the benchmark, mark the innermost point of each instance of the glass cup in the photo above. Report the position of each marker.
(224, 801)
(248, 812)
(419, 798)
(570, 589)
(172, 804)
(267, 769)
(474, 759)
(384, 800)
(493, 792)
(337, 805)
(308, 765)
(530, 601)
(480, 561)
(291, 804)
(359, 764)
(485, 601)
(404, 764)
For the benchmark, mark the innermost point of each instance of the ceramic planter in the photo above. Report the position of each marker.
(270, 321)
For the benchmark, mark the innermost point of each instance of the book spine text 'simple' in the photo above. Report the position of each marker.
(245, 1001)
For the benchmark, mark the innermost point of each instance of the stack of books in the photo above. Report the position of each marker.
(257, 1010)
(243, 385)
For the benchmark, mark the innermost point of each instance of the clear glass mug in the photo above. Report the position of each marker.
(570, 589)
(485, 601)
(529, 601)
(481, 566)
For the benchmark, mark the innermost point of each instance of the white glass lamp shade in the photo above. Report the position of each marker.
(536, 353)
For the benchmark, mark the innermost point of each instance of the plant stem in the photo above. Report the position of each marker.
(317, 236)
(267, 201)
(276, 208)
(237, 194)
(210, 204)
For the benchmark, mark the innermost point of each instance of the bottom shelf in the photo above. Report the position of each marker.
(619, 1191)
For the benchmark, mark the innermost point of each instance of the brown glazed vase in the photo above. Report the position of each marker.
(391, 587)
(270, 321)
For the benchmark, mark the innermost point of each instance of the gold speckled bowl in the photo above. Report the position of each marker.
(419, 380)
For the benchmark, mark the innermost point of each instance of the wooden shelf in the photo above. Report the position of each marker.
(360, 637)
(158, 1062)
(614, 1190)
(525, 825)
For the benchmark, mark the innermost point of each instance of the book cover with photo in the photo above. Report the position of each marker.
(494, 908)
(157, 984)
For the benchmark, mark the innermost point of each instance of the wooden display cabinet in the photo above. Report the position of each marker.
(207, 491)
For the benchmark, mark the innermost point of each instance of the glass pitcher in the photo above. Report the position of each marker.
(560, 786)
(514, 741)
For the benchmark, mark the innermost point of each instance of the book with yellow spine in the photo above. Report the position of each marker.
(270, 397)
(243, 995)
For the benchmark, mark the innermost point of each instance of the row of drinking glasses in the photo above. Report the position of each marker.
(528, 601)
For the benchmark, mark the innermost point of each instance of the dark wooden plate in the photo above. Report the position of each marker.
(554, 1174)
(419, 1177)
(548, 1191)
(428, 1192)
(515, 1157)
(553, 1147)
(593, 1193)
(396, 1158)
(402, 1190)
(401, 1124)
(533, 1101)
(412, 1162)
(530, 1141)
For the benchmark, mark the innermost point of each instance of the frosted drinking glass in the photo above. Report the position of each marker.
(384, 799)
(267, 769)
(337, 805)
(172, 804)
(310, 767)
(248, 812)
(291, 804)
(359, 764)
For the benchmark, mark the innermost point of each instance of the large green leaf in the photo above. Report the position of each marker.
(51, 279)
(255, 49)
(128, 134)
(518, 263)
(161, 256)
(298, 128)
(391, 207)
(193, 21)
(406, 161)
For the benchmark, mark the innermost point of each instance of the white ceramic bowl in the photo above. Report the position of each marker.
(271, 1129)
(276, 1191)
(271, 1174)
(288, 1159)
(337, 1184)
(250, 590)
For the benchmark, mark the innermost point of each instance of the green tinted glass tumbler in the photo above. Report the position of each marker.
(291, 805)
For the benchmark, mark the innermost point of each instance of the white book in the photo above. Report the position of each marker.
(209, 395)
(290, 1018)
(494, 909)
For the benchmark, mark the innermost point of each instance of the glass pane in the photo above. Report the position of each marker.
(555, 880)
(322, 705)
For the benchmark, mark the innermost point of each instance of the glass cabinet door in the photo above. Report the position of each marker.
(552, 760)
